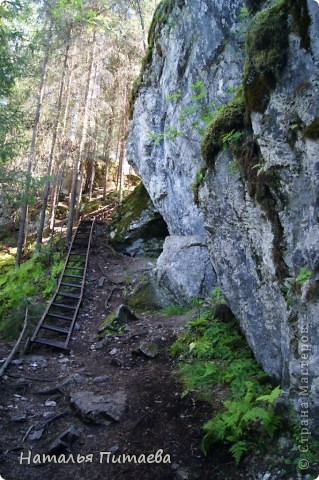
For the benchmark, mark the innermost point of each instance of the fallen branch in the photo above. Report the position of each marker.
(13, 351)
(109, 296)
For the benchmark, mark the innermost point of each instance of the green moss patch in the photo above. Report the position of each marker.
(130, 209)
(312, 131)
(143, 298)
(229, 117)
(266, 49)
(24, 286)
(111, 325)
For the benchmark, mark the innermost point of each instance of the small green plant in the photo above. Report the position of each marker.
(173, 310)
(196, 116)
(244, 13)
(303, 276)
(214, 356)
(198, 303)
(244, 422)
(173, 96)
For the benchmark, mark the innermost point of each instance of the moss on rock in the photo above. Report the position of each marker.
(143, 298)
(130, 209)
(266, 49)
(229, 117)
(137, 228)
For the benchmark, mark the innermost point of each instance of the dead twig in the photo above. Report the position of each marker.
(27, 433)
(13, 351)
(109, 296)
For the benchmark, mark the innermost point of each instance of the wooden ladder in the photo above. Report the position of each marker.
(57, 322)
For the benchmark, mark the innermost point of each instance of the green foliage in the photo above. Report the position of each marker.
(312, 131)
(231, 137)
(303, 276)
(19, 287)
(11, 67)
(244, 13)
(173, 96)
(266, 54)
(174, 310)
(213, 355)
(245, 422)
(13, 186)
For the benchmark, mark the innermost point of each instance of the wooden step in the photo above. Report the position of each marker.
(55, 329)
(61, 305)
(61, 317)
(72, 276)
(67, 295)
(49, 342)
(74, 268)
(71, 285)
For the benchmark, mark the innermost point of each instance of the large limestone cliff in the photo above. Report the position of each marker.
(257, 190)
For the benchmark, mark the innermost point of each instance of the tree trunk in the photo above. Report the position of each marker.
(140, 14)
(24, 209)
(120, 179)
(52, 151)
(93, 160)
(81, 147)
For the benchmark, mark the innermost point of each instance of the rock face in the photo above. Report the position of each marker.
(258, 207)
(189, 49)
(173, 278)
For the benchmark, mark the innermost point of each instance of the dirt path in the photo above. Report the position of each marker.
(138, 405)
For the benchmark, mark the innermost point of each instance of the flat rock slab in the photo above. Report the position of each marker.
(99, 409)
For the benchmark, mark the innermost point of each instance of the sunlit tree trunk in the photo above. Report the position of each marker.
(81, 147)
(95, 149)
(123, 130)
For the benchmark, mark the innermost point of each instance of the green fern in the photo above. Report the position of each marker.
(238, 450)
(242, 417)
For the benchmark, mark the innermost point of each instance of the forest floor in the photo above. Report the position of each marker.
(38, 413)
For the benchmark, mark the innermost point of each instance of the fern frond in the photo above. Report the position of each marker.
(271, 397)
(238, 450)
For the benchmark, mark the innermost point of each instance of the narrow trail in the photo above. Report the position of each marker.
(104, 397)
